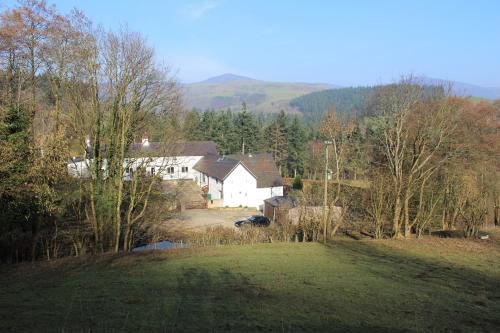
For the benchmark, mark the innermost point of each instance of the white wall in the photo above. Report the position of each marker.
(160, 164)
(240, 188)
(266, 193)
(214, 188)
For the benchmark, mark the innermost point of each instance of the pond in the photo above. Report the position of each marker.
(163, 245)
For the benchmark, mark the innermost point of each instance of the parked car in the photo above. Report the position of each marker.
(254, 221)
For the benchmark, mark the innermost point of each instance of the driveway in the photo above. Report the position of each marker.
(202, 218)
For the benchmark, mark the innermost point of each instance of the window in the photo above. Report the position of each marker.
(203, 177)
(184, 169)
(170, 169)
(152, 171)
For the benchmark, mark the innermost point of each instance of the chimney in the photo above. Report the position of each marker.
(145, 142)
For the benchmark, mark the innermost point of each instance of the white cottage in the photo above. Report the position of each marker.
(171, 161)
(240, 180)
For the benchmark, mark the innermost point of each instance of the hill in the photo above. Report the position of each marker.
(345, 100)
(438, 285)
(352, 99)
(462, 89)
(230, 91)
(226, 78)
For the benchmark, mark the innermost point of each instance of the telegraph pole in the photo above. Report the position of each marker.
(325, 194)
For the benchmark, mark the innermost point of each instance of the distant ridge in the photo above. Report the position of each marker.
(231, 91)
(226, 78)
(461, 88)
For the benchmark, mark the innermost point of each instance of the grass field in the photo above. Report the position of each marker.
(374, 286)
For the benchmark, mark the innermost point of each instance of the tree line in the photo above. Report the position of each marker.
(245, 132)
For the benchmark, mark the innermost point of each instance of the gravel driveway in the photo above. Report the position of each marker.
(202, 218)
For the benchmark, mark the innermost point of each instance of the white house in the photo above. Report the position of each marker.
(240, 180)
(234, 180)
(171, 161)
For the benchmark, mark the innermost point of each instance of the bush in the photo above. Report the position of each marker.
(297, 183)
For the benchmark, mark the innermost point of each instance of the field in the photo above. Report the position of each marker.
(376, 286)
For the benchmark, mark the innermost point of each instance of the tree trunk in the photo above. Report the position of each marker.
(396, 227)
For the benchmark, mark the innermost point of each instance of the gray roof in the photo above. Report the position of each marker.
(261, 166)
(216, 166)
(188, 148)
(280, 201)
(264, 168)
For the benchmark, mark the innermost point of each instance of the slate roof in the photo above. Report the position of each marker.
(278, 201)
(188, 148)
(263, 167)
(216, 166)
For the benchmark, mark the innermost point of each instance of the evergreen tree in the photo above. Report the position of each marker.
(192, 126)
(248, 132)
(297, 183)
(16, 203)
(226, 136)
(297, 145)
(277, 140)
(208, 125)
(15, 144)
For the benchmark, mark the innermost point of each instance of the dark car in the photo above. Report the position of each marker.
(254, 221)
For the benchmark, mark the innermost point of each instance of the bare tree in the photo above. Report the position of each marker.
(338, 133)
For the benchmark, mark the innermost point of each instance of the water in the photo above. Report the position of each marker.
(163, 245)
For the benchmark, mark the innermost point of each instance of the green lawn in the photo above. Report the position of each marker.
(396, 286)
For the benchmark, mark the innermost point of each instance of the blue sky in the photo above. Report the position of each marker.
(339, 42)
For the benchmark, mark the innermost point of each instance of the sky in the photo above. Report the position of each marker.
(337, 42)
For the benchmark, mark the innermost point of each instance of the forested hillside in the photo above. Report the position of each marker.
(346, 100)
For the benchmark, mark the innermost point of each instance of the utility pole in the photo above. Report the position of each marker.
(325, 194)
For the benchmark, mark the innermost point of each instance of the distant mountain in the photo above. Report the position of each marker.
(226, 78)
(230, 91)
(461, 88)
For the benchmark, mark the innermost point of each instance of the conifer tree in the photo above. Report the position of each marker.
(277, 140)
(297, 144)
(192, 126)
(249, 135)
(226, 135)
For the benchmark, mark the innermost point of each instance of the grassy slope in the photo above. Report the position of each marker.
(277, 94)
(347, 286)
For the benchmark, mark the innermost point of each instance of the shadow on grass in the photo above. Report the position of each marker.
(229, 302)
(144, 294)
(468, 297)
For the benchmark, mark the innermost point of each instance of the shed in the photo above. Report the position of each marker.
(274, 204)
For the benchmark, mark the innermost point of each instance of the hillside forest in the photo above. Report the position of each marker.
(404, 160)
